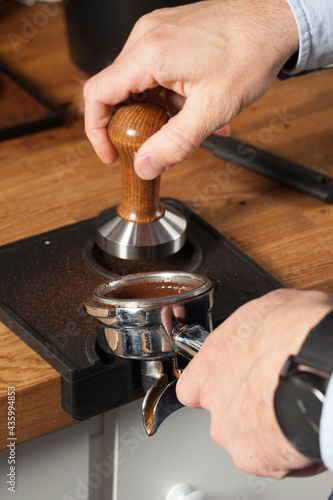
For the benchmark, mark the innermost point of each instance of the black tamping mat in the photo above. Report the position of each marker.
(45, 279)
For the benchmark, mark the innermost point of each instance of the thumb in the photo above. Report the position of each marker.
(176, 140)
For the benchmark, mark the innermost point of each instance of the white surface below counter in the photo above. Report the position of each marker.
(110, 457)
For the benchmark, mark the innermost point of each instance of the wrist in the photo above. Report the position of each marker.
(300, 395)
(289, 33)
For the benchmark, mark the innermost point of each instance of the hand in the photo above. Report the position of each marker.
(218, 55)
(235, 374)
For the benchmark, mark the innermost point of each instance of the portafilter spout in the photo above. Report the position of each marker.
(140, 227)
(153, 317)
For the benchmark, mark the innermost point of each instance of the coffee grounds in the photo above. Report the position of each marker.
(149, 290)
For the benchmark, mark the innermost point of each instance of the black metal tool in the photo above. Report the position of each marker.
(274, 167)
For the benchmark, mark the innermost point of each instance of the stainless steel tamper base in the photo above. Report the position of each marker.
(134, 241)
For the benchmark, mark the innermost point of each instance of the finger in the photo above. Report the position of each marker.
(190, 383)
(175, 103)
(97, 117)
(113, 85)
(196, 374)
(177, 139)
(224, 131)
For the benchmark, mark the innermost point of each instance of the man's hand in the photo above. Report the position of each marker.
(216, 57)
(236, 372)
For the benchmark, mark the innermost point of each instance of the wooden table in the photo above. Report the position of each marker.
(53, 178)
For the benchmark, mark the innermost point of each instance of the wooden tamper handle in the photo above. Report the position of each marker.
(140, 227)
(129, 127)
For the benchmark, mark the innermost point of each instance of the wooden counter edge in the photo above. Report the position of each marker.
(47, 415)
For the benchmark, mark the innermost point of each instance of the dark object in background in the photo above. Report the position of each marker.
(98, 29)
(23, 109)
(274, 167)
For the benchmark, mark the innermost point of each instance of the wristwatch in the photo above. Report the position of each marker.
(300, 395)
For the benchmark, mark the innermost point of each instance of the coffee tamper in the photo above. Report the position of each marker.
(140, 227)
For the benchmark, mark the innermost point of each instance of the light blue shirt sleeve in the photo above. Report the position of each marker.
(314, 20)
(326, 428)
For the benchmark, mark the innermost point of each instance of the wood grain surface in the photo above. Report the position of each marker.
(129, 128)
(53, 178)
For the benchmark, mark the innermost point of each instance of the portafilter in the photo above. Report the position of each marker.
(154, 317)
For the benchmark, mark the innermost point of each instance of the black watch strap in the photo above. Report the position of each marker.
(317, 350)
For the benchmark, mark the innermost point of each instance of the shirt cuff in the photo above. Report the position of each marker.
(326, 428)
(314, 22)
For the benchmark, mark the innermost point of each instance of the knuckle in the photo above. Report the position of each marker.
(215, 434)
(153, 17)
(153, 42)
(218, 434)
(146, 22)
(142, 24)
(205, 402)
(183, 146)
(88, 88)
(155, 45)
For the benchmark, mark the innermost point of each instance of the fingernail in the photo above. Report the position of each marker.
(148, 168)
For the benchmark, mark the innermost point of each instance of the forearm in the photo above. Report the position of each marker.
(326, 428)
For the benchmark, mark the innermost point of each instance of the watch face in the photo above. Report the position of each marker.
(298, 403)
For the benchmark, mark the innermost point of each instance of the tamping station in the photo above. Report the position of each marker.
(57, 271)
(141, 227)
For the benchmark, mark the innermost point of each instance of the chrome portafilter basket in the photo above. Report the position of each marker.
(154, 317)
